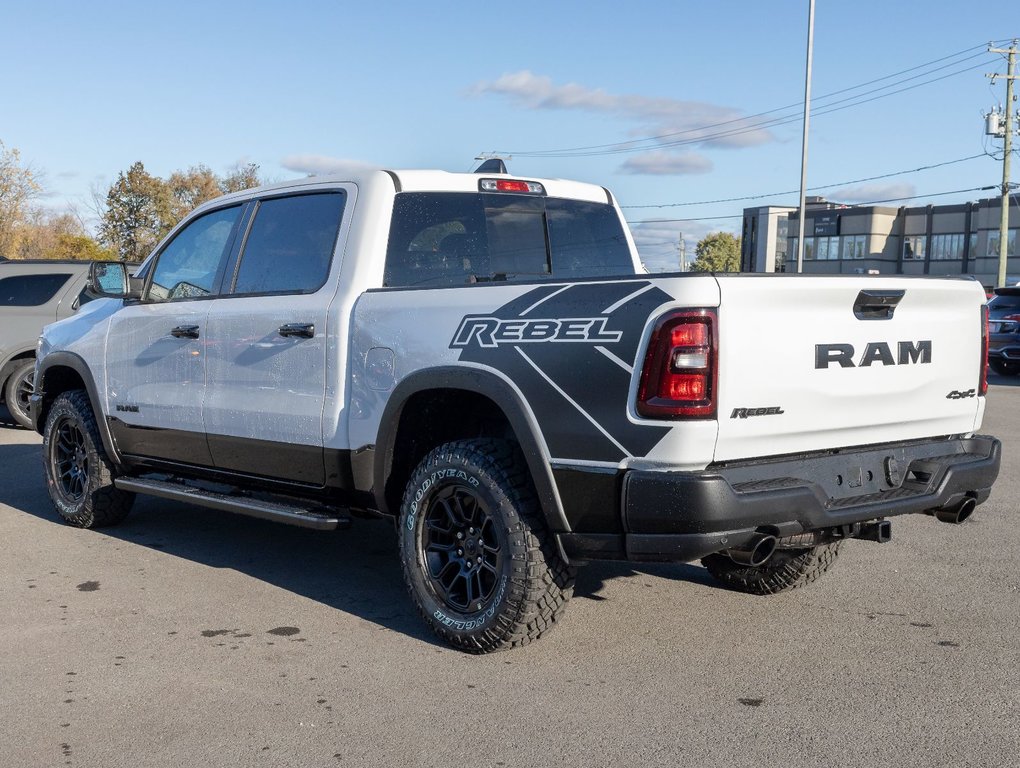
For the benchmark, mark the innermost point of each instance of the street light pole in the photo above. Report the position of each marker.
(804, 140)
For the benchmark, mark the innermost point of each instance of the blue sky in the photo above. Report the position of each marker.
(92, 87)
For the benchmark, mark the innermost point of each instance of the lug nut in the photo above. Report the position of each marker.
(460, 534)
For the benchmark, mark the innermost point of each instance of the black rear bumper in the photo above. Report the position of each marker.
(683, 516)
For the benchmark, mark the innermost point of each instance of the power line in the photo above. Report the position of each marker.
(855, 205)
(631, 145)
(810, 189)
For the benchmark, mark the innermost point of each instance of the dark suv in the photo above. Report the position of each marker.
(1004, 331)
(32, 295)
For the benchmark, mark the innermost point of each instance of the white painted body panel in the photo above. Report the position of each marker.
(768, 329)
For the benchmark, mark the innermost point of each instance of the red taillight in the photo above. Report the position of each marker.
(512, 186)
(679, 375)
(983, 378)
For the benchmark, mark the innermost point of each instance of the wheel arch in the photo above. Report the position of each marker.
(60, 372)
(427, 398)
(11, 363)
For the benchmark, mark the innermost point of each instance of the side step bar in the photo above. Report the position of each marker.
(327, 520)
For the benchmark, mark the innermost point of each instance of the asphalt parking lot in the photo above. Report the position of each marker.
(187, 637)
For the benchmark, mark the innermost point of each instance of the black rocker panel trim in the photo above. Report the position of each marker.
(483, 383)
(305, 465)
(160, 443)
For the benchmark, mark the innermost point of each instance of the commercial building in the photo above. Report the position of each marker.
(961, 239)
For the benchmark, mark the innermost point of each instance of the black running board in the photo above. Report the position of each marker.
(324, 520)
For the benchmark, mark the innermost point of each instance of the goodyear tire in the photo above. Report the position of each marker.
(787, 569)
(478, 560)
(79, 475)
(18, 390)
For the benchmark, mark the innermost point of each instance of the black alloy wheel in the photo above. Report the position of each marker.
(69, 460)
(79, 474)
(463, 556)
(478, 559)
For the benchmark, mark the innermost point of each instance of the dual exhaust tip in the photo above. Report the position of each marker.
(956, 513)
(761, 548)
(757, 552)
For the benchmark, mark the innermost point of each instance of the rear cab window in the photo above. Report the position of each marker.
(456, 238)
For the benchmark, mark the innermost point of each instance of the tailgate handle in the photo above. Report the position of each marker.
(876, 305)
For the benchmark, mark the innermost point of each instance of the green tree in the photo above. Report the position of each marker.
(139, 211)
(19, 184)
(189, 189)
(718, 252)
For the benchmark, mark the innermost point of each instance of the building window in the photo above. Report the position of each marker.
(947, 247)
(854, 246)
(993, 243)
(914, 246)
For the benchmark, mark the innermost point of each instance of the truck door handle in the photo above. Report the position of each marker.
(302, 330)
(185, 332)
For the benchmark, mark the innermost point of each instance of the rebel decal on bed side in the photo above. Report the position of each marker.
(580, 399)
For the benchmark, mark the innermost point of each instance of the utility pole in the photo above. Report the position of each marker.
(804, 139)
(683, 253)
(1007, 151)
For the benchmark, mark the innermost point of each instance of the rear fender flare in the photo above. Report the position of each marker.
(506, 397)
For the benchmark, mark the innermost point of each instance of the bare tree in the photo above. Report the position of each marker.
(19, 185)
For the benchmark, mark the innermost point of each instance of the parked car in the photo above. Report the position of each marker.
(32, 295)
(1004, 331)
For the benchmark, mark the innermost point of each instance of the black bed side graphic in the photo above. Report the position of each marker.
(571, 350)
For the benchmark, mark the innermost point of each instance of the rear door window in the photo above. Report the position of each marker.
(455, 238)
(290, 244)
(30, 290)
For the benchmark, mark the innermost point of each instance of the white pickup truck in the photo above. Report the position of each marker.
(482, 358)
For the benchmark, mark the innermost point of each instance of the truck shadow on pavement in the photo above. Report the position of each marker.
(356, 571)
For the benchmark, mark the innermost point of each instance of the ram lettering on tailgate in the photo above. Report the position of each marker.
(907, 353)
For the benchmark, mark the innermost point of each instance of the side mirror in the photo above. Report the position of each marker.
(110, 279)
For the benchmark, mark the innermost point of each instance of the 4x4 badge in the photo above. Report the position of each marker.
(958, 395)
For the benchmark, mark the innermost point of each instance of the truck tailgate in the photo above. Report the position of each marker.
(813, 363)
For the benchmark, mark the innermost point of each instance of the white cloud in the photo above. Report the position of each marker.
(320, 165)
(662, 163)
(863, 193)
(669, 120)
